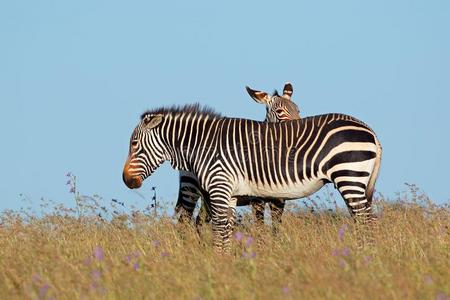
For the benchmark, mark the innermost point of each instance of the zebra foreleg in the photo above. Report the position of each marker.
(222, 217)
(231, 221)
(219, 228)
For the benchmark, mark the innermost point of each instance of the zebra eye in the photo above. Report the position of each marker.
(134, 143)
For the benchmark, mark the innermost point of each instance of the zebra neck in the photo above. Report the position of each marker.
(184, 136)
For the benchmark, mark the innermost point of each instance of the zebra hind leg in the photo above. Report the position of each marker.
(187, 200)
(363, 217)
(204, 215)
(184, 209)
(361, 209)
(276, 209)
(258, 206)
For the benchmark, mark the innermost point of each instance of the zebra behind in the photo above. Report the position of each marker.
(278, 109)
(239, 157)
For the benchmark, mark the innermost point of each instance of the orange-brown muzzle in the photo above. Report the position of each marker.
(132, 182)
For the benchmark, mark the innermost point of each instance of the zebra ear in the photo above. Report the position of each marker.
(260, 97)
(287, 90)
(151, 121)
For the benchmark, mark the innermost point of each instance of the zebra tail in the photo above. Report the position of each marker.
(373, 177)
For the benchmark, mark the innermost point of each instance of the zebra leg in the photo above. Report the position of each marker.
(258, 206)
(220, 201)
(184, 213)
(361, 209)
(204, 215)
(231, 221)
(365, 225)
(188, 195)
(276, 209)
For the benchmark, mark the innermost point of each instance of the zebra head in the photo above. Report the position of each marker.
(279, 108)
(146, 152)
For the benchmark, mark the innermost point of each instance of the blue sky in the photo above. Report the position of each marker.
(75, 76)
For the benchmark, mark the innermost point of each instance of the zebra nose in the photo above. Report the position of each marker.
(132, 182)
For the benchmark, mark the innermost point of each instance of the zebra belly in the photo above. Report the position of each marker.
(291, 191)
(244, 200)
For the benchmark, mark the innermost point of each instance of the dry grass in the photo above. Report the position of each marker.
(60, 256)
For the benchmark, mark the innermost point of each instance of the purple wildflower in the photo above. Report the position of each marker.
(249, 241)
(72, 190)
(164, 254)
(345, 252)
(156, 243)
(98, 253)
(285, 290)
(342, 231)
(249, 255)
(69, 174)
(238, 236)
(341, 253)
(428, 279)
(43, 290)
(69, 182)
(136, 266)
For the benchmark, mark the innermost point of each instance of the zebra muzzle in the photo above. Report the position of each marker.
(132, 182)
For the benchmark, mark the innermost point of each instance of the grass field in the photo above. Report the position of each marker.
(76, 254)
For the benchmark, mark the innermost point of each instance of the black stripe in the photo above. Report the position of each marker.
(246, 147)
(352, 192)
(351, 183)
(252, 138)
(356, 199)
(348, 173)
(282, 151)
(347, 157)
(341, 123)
(259, 143)
(292, 152)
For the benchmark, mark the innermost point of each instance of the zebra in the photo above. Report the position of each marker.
(240, 157)
(278, 109)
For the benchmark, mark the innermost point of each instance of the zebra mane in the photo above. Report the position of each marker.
(190, 109)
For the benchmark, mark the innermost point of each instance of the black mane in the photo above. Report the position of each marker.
(275, 93)
(189, 109)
